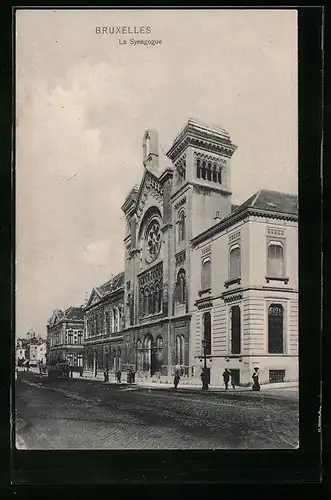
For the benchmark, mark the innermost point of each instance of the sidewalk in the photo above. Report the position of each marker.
(196, 387)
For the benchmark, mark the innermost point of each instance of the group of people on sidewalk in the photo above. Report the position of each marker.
(227, 377)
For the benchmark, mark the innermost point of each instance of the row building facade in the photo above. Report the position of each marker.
(205, 281)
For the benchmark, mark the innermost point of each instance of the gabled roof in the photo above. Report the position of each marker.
(274, 203)
(271, 201)
(74, 313)
(116, 283)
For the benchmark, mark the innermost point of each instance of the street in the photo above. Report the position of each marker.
(80, 414)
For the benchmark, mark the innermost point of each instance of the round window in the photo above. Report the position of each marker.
(153, 241)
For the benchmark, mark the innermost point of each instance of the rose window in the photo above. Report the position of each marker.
(153, 241)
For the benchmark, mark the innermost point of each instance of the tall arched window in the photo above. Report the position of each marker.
(235, 330)
(119, 318)
(207, 332)
(181, 226)
(219, 174)
(198, 168)
(115, 320)
(276, 329)
(107, 329)
(206, 273)
(111, 321)
(157, 297)
(181, 287)
(215, 173)
(275, 266)
(147, 354)
(180, 346)
(203, 170)
(235, 262)
(209, 172)
(151, 307)
(146, 301)
(159, 354)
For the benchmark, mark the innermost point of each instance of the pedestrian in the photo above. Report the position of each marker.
(226, 378)
(119, 376)
(232, 380)
(204, 378)
(106, 375)
(40, 367)
(176, 379)
(255, 377)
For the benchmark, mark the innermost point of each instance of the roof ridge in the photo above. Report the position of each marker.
(280, 192)
(256, 197)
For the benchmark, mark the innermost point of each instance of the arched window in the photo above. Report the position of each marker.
(181, 287)
(119, 318)
(157, 297)
(70, 337)
(181, 226)
(146, 301)
(219, 175)
(215, 172)
(235, 262)
(207, 332)
(111, 321)
(178, 348)
(209, 173)
(203, 170)
(151, 308)
(206, 273)
(198, 168)
(235, 330)
(158, 354)
(142, 302)
(80, 337)
(182, 347)
(275, 266)
(107, 329)
(115, 319)
(147, 354)
(276, 329)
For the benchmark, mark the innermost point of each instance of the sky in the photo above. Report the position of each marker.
(83, 103)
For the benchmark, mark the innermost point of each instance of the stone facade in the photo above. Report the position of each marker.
(103, 338)
(253, 297)
(182, 286)
(65, 335)
(204, 280)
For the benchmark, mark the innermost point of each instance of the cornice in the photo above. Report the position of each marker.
(219, 146)
(232, 219)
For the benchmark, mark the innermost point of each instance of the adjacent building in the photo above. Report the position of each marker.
(104, 319)
(65, 336)
(36, 351)
(245, 298)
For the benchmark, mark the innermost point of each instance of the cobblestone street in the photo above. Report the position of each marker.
(80, 414)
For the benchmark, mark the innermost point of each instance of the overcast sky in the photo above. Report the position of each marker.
(84, 102)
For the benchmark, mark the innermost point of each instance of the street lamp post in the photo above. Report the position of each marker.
(205, 382)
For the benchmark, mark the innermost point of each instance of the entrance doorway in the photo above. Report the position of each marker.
(235, 377)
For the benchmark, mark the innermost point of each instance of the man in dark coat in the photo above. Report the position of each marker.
(226, 378)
